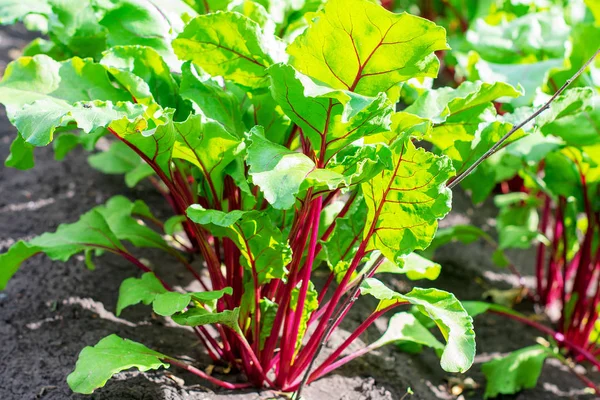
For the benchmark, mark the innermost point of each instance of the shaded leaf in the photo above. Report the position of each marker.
(197, 316)
(209, 99)
(142, 71)
(20, 155)
(263, 247)
(193, 137)
(12, 260)
(515, 372)
(404, 328)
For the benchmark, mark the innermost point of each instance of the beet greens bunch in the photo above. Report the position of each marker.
(272, 132)
(549, 179)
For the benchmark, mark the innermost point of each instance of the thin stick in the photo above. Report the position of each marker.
(515, 128)
(330, 327)
(332, 324)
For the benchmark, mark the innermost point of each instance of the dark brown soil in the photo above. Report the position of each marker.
(51, 310)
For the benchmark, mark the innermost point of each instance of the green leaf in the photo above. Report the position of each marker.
(414, 266)
(585, 40)
(359, 46)
(539, 35)
(120, 214)
(517, 223)
(143, 72)
(339, 117)
(465, 121)
(156, 144)
(256, 12)
(268, 311)
(139, 290)
(43, 46)
(202, 216)
(311, 303)
(208, 6)
(192, 139)
(406, 202)
(149, 290)
(169, 303)
(90, 231)
(120, 159)
(209, 99)
(21, 154)
(66, 142)
(199, 316)
(263, 110)
(405, 328)
(12, 260)
(465, 234)
(475, 308)
(445, 310)
(99, 363)
(346, 236)
(174, 224)
(359, 162)
(38, 121)
(137, 174)
(231, 45)
(470, 98)
(153, 24)
(276, 170)
(530, 76)
(40, 78)
(73, 25)
(42, 95)
(12, 11)
(263, 247)
(580, 129)
(515, 372)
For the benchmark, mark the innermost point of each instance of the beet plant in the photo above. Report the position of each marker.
(549, 179)
(272, 131)
(277, 155)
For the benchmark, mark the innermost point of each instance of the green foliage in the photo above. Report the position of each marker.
(272, 130)
(241, 53)
(99, 363)
(517, 371)
(444, 309)
(405, 203)
(368, 50)
(263, 249)
(405, 330)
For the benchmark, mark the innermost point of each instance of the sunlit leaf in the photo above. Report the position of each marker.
(405, 203)
(359, 46)
(231, 45)
(445, 310)
(99, 363)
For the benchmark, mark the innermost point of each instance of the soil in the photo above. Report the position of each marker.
(51, 310)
